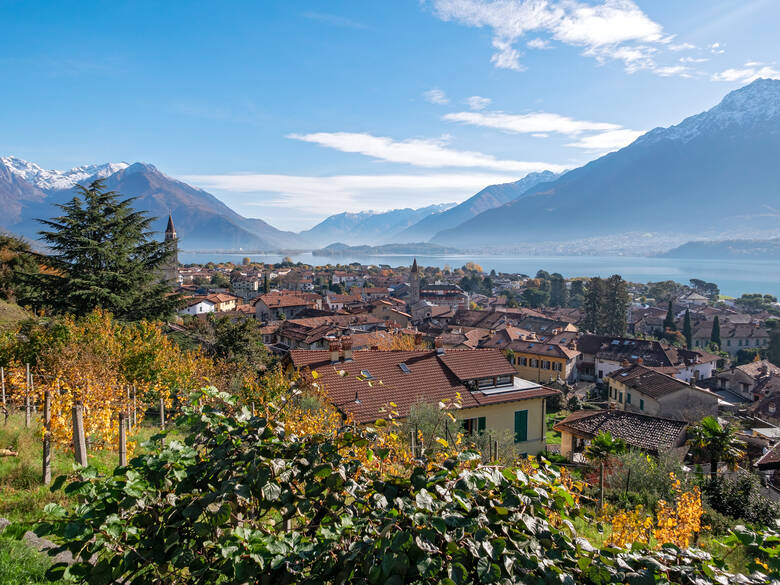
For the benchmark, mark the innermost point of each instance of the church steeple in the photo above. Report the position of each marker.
(414, 265)
(170, 231)
(170, 270)
(414, 284)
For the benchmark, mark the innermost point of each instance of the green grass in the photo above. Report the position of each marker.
(22, 493)
(552, 418)
(11, 314)
(21, 565)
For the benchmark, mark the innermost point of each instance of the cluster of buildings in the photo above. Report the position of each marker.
(502, 364)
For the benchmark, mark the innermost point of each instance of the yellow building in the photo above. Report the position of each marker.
(543, 362)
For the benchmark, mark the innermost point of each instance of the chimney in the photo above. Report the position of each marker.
(346, 345)
(334, 347)
(696, 375)
(438, 345)
(625, 363)
(418, 338)
(640, 361)
(764, 369)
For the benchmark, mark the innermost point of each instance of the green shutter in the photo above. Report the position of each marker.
(641, 404)
(481, 424)
(521, 426)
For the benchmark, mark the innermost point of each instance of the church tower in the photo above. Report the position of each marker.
(170, 273)
(414, 284)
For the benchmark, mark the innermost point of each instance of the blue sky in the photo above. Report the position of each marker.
(291, 111)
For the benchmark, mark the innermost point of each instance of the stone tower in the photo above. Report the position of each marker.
(414, 284)
(170, 270)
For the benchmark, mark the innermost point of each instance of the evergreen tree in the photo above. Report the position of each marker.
(558, 293)
(615, 306)
(592, 303)
(687, 330)
(669, 320)
(577, 293)
(103, 255)
(773, 353)
(715, 335)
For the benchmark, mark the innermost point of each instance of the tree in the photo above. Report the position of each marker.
(601, 448)
(239, 341)
(669, 319)
(713, 442)
(103, 256)
(773, 352)
(558, 293)
(577, 293)
(715, 335)
(592, 303)
(615, 306)
(535, 297)
(688, 330)
(16, 260)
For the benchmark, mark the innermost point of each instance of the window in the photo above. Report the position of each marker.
(404, 368)
(601, 373)
(485, 382)
(503, 380)
(521, 426)
(523, 361)
(366, 374)
(641, 404)
(728, 342)
(620, 397)
(628, 398)
(472, 426)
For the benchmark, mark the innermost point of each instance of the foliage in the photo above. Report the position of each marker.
(601, 448)
(534, 297)
(103, 256)
(773, 352)
(715, 334)
(16, 259)
(577, 293)
(749, 354)
(714, 443)
(241, 500)
(20, 564)
(687, 330)
(669, 319)
(643, 479)
(559, 295)
(740, 497)
(708, 289)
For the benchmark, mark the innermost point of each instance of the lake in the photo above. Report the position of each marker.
(734, 277)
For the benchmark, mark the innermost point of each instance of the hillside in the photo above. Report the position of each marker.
(369, 226)
(489, 198)
(728, 249)
(202, 220)
(11, 314)
(713, 172)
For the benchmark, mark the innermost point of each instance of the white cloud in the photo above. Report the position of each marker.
(717, 48)
(476, 102)
(607, 141)
(750, 72)
(436, 96)
(682, 47)
(529, 123)
(681, 70)
(538, 43)
(613, 29)
(297, 202)
(693, 59)
(418, 152)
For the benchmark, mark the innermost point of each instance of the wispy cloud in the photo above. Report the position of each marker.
(717, 49)
(672, 70)
(418, 152)
(751, 71)
(289, 201)
(477, 102)
(610, 30)
(334, 20)
(538, 43)
(601, 136)
(436, 96)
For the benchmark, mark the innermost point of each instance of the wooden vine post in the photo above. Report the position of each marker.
(47, 438)
(27, 399)
(122, 439)
(5, 403)
(79, 440)
(162, 419)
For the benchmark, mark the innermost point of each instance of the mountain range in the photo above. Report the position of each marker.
(714, 175)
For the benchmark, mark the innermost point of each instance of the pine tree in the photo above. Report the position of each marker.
(615, 306)
(592, 303)
(577, 293)
(773, 352)
(687, 330)
(103, 255)
(669, 320)
(715, 335)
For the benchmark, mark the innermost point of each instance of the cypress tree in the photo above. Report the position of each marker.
(669, 320)
(773, 352)
(615, 307)
(558, 293)
(687, 330)
(104, 256)
(715, 335)
(592, 303)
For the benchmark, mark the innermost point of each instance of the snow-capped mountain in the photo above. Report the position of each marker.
(53, 180)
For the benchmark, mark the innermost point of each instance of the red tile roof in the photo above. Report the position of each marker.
(429, 379)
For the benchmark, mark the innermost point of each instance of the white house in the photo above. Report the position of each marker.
(198, 305)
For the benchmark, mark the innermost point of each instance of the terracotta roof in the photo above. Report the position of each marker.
(545, 349)
(483, 319)
(755, 369)
(428, 379)
(478, 363)
(648, 433)
(771, 459)
(287, 299)
(648, 381)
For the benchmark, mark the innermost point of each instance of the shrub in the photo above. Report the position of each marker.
(739, 496)
(646, 479)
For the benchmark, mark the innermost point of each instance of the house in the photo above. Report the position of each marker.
(733, 336)
(544, 362)
(362, 383)
(223, 302)
(467, 319)
(746, 381)
(198, 306)
(335, 302)
(389, 311)
(648, 433)
(693, 299)
(246, 287)
(285, 305)
(641, 389)
(444, 295)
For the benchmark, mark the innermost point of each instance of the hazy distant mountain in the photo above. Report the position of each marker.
(728, 249)
(714, 171)
(202, 221)
(489, 198)
(369, 227)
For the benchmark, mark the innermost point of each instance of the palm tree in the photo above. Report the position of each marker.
(710, 440)
(601, 448)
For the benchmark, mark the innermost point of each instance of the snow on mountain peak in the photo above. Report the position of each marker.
(756, 102)
(56, 180)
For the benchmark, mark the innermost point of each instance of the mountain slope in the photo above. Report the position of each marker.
(713, 172)
(202, 220)
(489, 198)
(368, 227)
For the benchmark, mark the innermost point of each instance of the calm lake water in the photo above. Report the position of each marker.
(734, 277)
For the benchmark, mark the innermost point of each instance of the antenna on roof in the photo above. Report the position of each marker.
(357, 400)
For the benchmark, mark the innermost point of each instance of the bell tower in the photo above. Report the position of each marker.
(170, 272)
(414, 283)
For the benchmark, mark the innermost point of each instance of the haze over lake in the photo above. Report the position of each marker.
(734, 277)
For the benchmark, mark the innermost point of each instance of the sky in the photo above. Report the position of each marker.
(293, 111)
